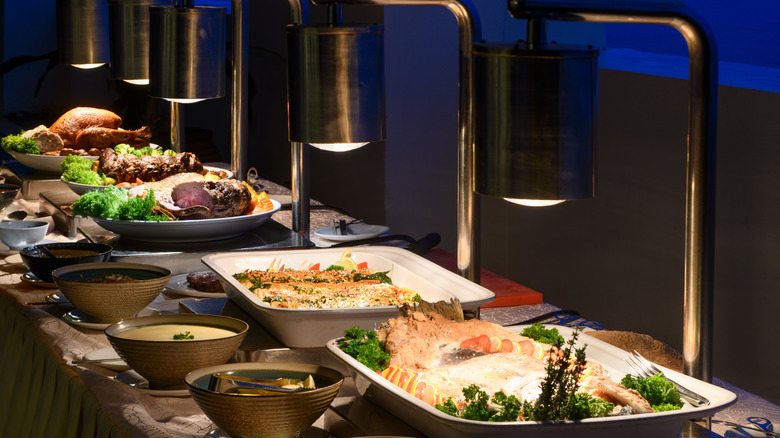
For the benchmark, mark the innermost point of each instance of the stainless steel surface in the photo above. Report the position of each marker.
(336, 83)
(129, 36)
(187, 52)
(82, 32)
(57, 205)
(239, 92)
(534, 118)
(301, 204)
(468, 242)
(184, 257)
(35, 184)
(702, 120)
(177, 127)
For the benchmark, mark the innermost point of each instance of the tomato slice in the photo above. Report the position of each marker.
(480, 343)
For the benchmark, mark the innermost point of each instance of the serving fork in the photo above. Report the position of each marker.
(644, 368)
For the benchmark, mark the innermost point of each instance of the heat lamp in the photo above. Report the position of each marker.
(129, 25)
(186, 58)
(702, 117)
(82, 33)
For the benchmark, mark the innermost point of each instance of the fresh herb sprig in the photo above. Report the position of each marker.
(558, 398)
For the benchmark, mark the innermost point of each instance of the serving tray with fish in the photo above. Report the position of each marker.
(303, 327)
(419, 376)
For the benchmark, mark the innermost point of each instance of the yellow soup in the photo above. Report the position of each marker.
(170, 332)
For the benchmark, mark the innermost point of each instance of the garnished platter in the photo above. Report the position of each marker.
(433, 422)
(43, 163)
(182, 231)
(304, 328)
(80, 189)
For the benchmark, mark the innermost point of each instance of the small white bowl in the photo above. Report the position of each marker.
(19, 234)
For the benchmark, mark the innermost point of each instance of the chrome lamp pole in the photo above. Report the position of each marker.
(468, 262)
(702, 119)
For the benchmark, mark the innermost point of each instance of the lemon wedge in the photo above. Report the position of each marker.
(347, 262)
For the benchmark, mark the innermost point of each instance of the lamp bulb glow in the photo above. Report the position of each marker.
(137, 81)
(87, 66)
(535, 202)
(183, 100)
(338, 147)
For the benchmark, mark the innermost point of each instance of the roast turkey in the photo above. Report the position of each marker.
(87, 128)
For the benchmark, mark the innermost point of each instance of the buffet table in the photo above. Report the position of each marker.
(45, 394)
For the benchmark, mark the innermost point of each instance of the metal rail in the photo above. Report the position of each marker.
(468, 242)
(700, 180)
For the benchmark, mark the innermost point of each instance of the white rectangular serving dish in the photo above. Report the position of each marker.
(435, 423)
(303, 328)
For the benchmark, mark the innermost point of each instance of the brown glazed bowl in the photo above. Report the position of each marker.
(267, 416)
(86, 287)
(164, 363)
(68, 253)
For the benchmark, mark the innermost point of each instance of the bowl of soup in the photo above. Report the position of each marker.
(44, 258)
(249, 414)
(165, 348)
(109, 292)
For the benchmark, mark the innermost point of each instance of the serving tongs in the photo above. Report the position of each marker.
(229, 384)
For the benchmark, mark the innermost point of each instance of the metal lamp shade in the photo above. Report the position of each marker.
(336, 86)
(534, 121)
(129, 24)
(187, 53)
(82, 32)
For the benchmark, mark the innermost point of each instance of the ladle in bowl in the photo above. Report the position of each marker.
(16, 215)
(48, 252)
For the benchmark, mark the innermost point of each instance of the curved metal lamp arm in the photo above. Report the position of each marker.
(469, 30)
(239, 113)
(702, 118)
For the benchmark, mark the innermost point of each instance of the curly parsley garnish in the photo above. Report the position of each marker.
(539, 333)
(657, 390)
(365, 347)
(478, 406)
(183, 336)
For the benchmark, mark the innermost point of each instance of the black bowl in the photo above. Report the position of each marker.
(8, 193)
(41, 264)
